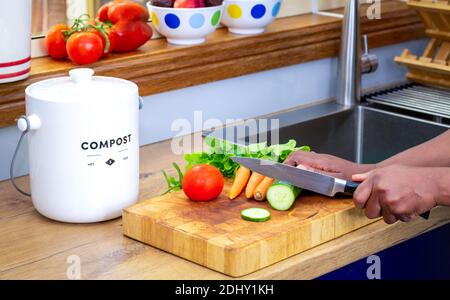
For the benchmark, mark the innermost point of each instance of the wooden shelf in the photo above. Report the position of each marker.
(432, 67)
(158, 67)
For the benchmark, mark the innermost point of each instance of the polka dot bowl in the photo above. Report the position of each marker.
(249, 16)
(185, 26)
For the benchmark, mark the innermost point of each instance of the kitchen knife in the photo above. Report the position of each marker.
(305, 179)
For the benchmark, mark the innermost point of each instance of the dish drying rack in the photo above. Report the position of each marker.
(429, 92)
(432, 67)
(431, 101)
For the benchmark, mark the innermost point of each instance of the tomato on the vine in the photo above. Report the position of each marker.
(55, 41)
(84, 47)
(121, 26)
(102, 30)
(202, 183)
(112, 42)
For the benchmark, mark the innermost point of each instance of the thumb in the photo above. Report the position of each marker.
(361, 177)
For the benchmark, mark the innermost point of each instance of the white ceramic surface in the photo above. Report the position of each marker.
(83, 146)
(185, 26)
(15, 40)
(248, 17)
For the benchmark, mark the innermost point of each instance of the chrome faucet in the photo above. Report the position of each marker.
(352, 61)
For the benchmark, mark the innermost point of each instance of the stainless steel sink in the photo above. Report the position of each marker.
(361, 134)
(356, 132)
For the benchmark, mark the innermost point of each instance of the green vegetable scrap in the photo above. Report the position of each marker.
(173, 184)
(219, 153)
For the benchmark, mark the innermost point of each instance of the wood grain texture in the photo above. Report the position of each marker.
(158, 67)
(213, 234)
(34, 247)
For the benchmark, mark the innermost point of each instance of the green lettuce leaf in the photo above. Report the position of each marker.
(219, 152)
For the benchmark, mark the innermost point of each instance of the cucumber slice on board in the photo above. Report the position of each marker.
(255, 214)
(282, 195)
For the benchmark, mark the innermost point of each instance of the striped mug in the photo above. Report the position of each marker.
(15, 40)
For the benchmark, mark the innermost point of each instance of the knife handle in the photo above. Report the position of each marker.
(350, 188)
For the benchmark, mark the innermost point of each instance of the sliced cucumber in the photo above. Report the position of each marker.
(282, 195)
(255, 214)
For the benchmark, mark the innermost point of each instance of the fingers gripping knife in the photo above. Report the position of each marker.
(305, 179)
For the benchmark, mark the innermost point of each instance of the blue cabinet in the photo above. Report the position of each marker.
(424, 257)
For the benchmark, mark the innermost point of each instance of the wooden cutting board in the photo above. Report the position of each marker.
(213, 234)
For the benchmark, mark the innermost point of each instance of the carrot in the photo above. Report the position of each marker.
(240, 181)
(253, 182)
(261, 190)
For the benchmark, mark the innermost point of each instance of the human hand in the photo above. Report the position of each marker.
(396, 192)
(330, 164)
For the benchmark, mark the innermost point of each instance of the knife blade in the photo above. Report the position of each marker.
(305, 179)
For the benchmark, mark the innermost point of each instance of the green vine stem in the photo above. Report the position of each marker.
(81, 24)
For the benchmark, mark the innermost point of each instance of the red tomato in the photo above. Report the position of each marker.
(55, 41)
(111, 43)
(84, 47)
(100, 35)
(202, 183)
(130, 35)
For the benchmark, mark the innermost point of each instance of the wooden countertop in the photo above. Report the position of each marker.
(33, 247)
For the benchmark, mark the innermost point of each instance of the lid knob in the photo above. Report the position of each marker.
(81, 75)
